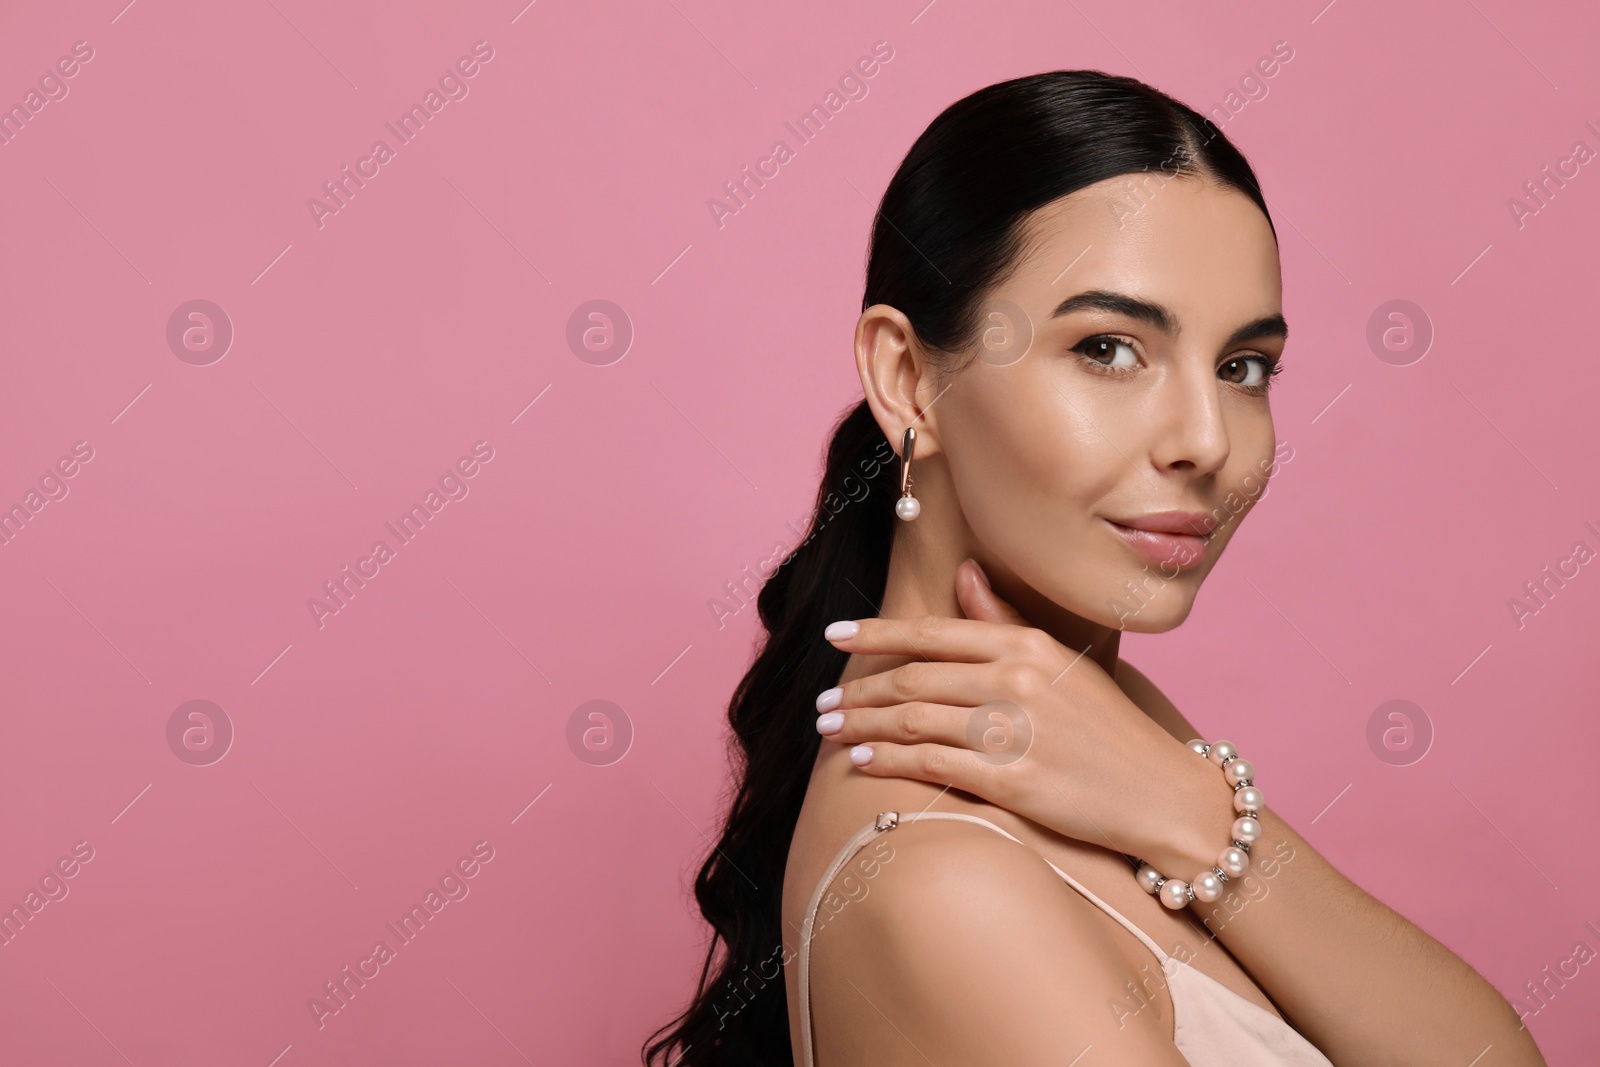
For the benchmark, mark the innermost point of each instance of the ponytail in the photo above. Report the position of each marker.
(739, 1014)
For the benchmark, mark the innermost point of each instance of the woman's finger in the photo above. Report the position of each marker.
(978, 599)
(939, 764)
(933, 681)
(932, 636)
(916, 722)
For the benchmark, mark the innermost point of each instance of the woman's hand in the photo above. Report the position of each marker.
(999, 709)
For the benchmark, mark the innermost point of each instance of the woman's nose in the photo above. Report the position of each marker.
(1190, 430)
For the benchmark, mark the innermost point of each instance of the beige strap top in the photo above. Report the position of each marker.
(1213, 1026)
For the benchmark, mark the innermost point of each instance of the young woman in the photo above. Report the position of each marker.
(965, 831)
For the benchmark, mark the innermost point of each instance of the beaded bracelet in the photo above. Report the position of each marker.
(1232, 861)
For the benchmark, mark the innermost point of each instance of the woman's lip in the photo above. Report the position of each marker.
(1180, 550)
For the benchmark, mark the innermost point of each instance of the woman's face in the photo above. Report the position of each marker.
(1121, 375)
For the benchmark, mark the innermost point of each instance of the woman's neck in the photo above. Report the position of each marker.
(922, 581)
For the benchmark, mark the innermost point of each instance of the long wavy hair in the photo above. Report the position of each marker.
(949, 227)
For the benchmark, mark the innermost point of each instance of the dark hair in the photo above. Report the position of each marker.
(948, 230)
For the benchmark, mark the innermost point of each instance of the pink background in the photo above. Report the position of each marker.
(369, 354)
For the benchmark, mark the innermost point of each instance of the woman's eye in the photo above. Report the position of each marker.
(1249, 371)
(1103, 351)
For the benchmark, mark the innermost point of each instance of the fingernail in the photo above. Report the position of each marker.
(861, 755)
(829, 699)
(830, 723)
(981, 574)
(838, 631)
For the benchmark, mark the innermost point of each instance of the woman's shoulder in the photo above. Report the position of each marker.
(841, 801)
(964, 880)
(967, 942)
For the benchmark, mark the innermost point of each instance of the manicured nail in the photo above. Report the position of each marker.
(829, 699)
(839, 631)
(830, 723)
(861, 755)
(981, 573)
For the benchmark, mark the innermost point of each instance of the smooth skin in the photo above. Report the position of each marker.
(963, 947)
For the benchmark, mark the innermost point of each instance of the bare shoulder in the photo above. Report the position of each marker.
(1153, 702)
(968, 948)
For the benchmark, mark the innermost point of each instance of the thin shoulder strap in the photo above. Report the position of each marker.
(885, 822)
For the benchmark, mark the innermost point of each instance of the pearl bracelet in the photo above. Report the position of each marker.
(1232, 861)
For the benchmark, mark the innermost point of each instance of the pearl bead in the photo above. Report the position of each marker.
(1207, 887)
(1248, 801)
(1233, 861)
(908, 507)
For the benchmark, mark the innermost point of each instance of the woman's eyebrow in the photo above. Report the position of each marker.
(1105, 300)
(1163, 319)
(1266, 326)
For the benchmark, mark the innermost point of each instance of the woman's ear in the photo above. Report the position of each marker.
(897, 377)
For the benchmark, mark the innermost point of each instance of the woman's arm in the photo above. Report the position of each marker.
(1001, 710)
(1362, 983)
(970, 950)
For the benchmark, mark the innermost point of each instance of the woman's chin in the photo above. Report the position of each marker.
(1154, 617)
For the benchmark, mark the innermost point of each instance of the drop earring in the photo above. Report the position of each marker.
(907, 507)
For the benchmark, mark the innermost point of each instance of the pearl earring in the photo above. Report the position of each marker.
(907, 507)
